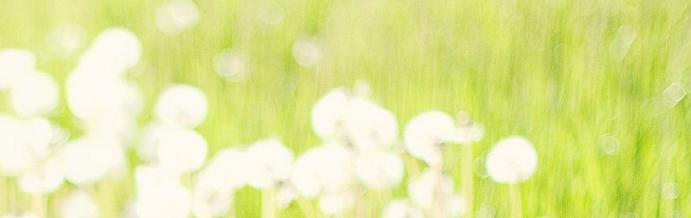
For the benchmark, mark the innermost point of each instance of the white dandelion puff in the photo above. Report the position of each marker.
(160, 194)
(14, 63)
(44, 178)
(401, 209)
(93, 97)
(379, 169)
(34, 94)
(369, 126)
(334, 203)
(181, 150)
(211, 203)
(227, 171)
(308, 52)
(270, 162)
(270, 13)
(182, 105)
(324, 168)
(88, 160)
(511, 160)
(66, 39)
(425, 133)
(673, 94)
(15, 157)
(328, 114)
(232, 66)
(114, 50)
(79, 205)
(177, 16)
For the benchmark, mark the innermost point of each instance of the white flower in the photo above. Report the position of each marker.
(181, 150)
(66, 39)
(182, 105)
(308, 52)
(14, 63)
(270, 162)
(401, 209)
(211, 203)
(94, 97)
(151, 136)
(88, 160)
(379, 169)
(15, 157)
(424, 134)
(270, 13)
(323, 168)
(113, 51)
(44, 178)
(79, 205)
(432, 190)
(34, 94)
(467, 134)
(285, 195)
(511, 160)
(232, 66)
(177, 16)
(160, 194)
(334, 203)
(370, 126)
(328, 114)
(227, 171)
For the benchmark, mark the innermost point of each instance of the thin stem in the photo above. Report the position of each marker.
(38, 205)
(515, 195)
(268, 204)
(467, 175)
(437, 210)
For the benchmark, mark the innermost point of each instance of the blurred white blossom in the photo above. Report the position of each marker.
(511, 160)
(182, 105)
(79, 205)
(401, 209)
(34, 94)
(14, 63)
(181, 150)
(379, 169)
(270, 162)
(425, 133)
(177, 16)
(325, 168)
(308, 52)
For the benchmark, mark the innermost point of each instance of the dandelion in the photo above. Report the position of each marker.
(33, 94)
(270, 162)
(308, 52)
(369, 125)
(14, 156)
(425, 133)
(14, 63)
(88, 160)
(232, 66)
(177, 16)
(181, 150)
(227, 171)
(673, 94)
(328, 112)
(379, 169)
(333, 203)
(211, 203)
(66, 39)
(401, 209)
(511, 160)
(94, 97)
(182, 105)
(160, 194)
(44, 178)
(434, 193)
(114, 50)
(325, 168)
(270, 13)
(79, 205)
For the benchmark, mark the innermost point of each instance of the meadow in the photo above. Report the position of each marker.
(597, 87)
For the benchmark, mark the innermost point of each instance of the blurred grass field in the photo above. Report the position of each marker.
(584, 80)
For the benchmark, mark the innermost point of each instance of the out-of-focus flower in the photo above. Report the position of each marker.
(425, 133)
(378, 169)
(66, 39)
(149, 140)
(333, 203)
(113, 51)
(88, 160)
(44, 178)
(79, 205)
(673, 94)
(182, 105)
(401, 209)
(270, 162)
(308, 52)
(467, 134)
(285, 195)
(177, 16)
(33, 94)
(160, 194)
(328, 114)
(211, 203)
(270, 13)
(511, 160)
(226, 172)
(325, 168)
(93, 97)
(434, 191)
(25, 142)
(14, 63)
(181, 150)
(370, 126)
(232, 66)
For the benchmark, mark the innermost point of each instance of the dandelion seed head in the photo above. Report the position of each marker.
(308, 52)
(378, 169)
(14, 63)
(162, 196)
(269, 163)
(323, 168)
(424, 134)
(232, 66)
(227, 171)
(336, 203)
(669, 190)
(88, 160)
(401, 209)
(43, 179)
(328, 112)
(34, 94)
(79, 205)
(511, 160)
(211, 204)
(181, 150)
(270, 13)
(285, 195)
(609, 144)
(421, 189)
(177, 16)
(182, 105)
(673, 94)
(66, 39)
(114, 50)
(369, 126)
(95, 97)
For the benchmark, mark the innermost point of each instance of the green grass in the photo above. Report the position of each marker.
(554, 71)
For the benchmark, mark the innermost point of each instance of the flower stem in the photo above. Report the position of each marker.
(467, 178)
(515, 195)
(268, 204)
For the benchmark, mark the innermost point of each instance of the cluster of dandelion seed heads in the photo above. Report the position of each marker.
(360, 146)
